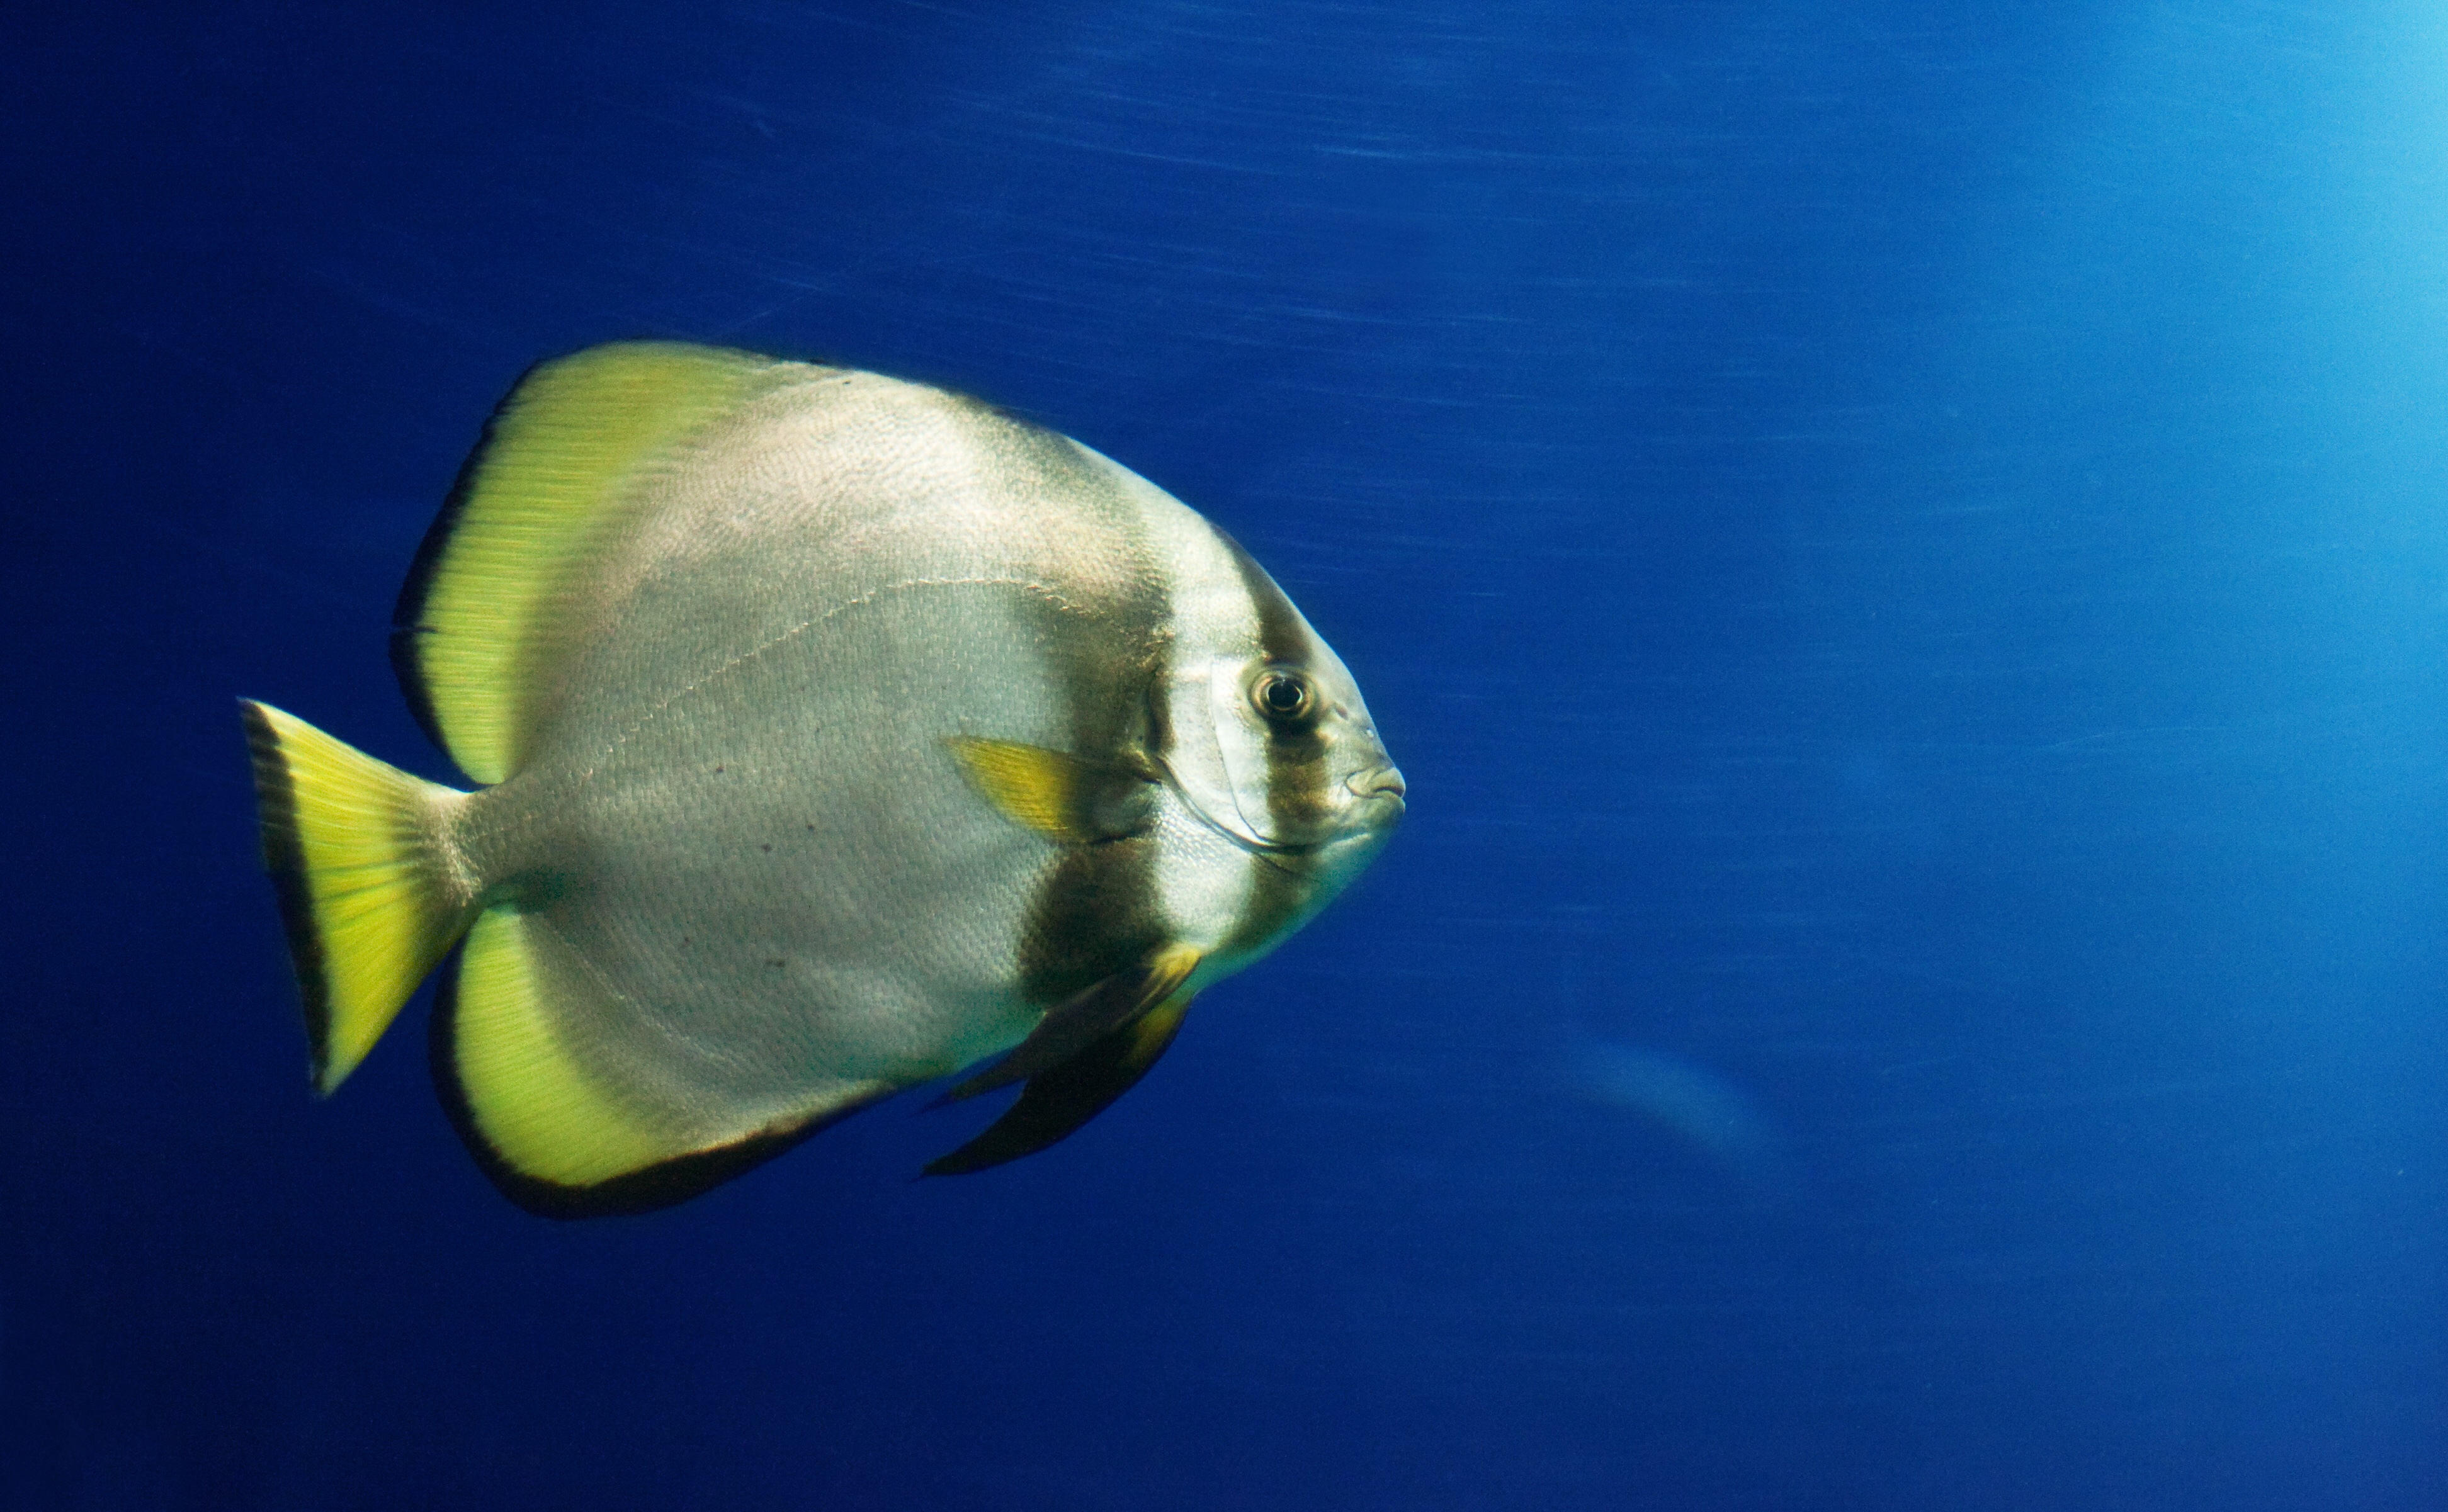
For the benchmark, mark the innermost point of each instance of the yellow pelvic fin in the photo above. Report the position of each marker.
(1069, 1027)
(556, 1139)
(476, 634)
(1061, 797)
(367, 891)
(1058, 1101)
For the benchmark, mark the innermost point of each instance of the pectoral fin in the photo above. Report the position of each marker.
(1058, 795)
(1057, 1101)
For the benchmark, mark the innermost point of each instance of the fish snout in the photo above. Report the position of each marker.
(1383, 782)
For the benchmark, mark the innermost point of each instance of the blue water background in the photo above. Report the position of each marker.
(1899, 546)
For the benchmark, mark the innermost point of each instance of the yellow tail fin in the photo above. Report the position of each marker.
(356, 852)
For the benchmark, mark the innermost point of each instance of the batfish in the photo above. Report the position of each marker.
(831, 734)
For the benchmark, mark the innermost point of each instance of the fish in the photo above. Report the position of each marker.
(829, 734)
(1709, 1114)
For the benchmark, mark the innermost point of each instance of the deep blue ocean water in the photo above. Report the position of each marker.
(1900, 547)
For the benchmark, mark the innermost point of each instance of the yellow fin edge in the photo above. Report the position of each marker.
(550, 1134)
(526, 1094)
(559, 455)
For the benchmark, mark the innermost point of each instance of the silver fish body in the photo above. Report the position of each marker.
(844, 732)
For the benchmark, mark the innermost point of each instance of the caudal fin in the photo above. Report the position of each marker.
(357, 858)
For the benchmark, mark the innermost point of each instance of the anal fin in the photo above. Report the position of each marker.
(1058, 1101)
(553, 1136)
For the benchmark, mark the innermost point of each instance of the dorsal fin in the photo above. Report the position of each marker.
(473, 626)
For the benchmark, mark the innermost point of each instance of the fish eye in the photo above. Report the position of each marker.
(1284, 697)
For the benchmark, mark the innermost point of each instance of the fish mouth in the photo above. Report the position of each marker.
(1380, 791)
(1381, 784)
(1380, 788)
